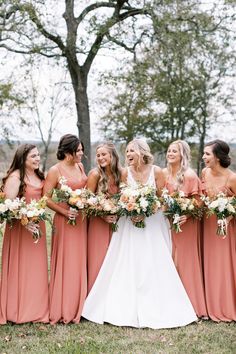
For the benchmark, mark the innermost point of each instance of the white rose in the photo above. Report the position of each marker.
(214, 204)
(230, 208)
(143, 203)
(78, 192)
(30, 213)
(3, 208)
(80, 204)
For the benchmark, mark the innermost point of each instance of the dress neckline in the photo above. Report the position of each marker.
(148, 179)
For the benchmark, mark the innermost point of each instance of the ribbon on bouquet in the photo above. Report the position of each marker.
(176, 223)
(222, 227)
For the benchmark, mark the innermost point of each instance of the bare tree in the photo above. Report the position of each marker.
(26, 28)
(48, 105)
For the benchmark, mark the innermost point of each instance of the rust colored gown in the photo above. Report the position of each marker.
(186, 250)
(219, 256)
(99, 236)
(24, 279)
(68, 283)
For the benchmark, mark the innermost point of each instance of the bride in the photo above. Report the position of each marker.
(138, 284)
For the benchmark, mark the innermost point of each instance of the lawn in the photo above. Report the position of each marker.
(203, 337)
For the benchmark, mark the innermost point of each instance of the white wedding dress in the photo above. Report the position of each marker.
(138, 284)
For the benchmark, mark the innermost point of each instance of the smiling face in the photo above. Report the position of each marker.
(132, 157)
(209, 158)
(77, 156)
(103, 157)
(173, 155)
(32, 160)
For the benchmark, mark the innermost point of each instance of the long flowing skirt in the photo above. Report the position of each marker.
(138, 284)
(24, 283)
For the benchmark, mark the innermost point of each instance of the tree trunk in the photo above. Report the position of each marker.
(201, 143)
(83, 120)
(45, 157)
(79, 82)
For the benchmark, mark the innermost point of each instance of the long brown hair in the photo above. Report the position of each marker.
(115, 167)
(18, 163)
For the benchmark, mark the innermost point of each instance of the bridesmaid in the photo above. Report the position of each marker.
(68, 283)
(24, 283)
(105, 178)
(219, 253)
(186, 245)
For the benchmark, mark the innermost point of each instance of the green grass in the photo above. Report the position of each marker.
(204, 337)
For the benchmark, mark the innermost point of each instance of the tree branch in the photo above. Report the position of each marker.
(104, 31)
(34, 18)
(101, 4)
(32, 51)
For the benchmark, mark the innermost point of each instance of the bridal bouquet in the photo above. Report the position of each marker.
(103, 204)
(32, 213)
(140, 200)
(177, 204)
(76, 199)
(221, 206)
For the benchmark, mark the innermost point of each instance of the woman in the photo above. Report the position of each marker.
(106, 179)
(138, 284)
(186, 245)
(24, 284)
(219, 253)
(68, 283)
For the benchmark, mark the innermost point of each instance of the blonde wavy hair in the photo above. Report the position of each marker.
(185, 155)
(115, 167)
(142, 149)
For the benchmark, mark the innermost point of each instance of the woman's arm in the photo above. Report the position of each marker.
(51, 182)
(12, 186)
(93, 179)
(159, 179)
(232, 183)
(124, 174)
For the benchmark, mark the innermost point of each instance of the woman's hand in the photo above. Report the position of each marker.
(228, 219)
(32, 227)
(110, 219)
(138, 218)
(183, 219)
(71, 214)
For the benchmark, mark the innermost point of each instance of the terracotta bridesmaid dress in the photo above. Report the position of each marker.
(220, 267)
(186, 250)
(99, 236)
(68, 283)
(24, 284)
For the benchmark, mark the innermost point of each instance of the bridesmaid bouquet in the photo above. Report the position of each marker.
(221, 206)
(27, 213)
(8, 208)
(177, 204)
(33, 213)
(76, 199)
(140, 200)
(102, 204)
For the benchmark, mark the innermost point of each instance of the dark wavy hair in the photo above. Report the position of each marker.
(68, 144)
(18, 163)
(221, 151)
